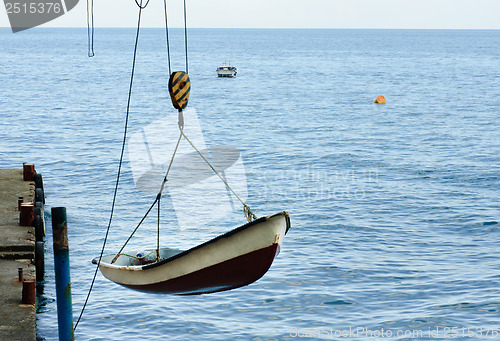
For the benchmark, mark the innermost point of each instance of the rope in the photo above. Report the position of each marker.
(166, 32)
(186, 36)
(181, 127)
(140, 5)
(138, 257)
(90, 25)
(90, 31)
(246, 209)
(119, 166)
(168, 41)
(158, 232)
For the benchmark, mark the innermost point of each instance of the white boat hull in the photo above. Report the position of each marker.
(232, 260)
(226, 71)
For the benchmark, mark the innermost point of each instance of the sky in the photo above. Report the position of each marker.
(382, 14)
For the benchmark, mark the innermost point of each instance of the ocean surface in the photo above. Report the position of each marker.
(394, 208)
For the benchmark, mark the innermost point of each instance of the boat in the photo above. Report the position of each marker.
(226, 70)
(231, 260)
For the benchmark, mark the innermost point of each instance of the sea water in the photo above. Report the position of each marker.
(394, 208)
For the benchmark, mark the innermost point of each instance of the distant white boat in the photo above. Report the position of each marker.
(226, 70)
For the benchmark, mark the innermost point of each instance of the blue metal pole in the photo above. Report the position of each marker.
(63, 282)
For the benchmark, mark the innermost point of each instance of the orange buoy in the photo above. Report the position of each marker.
(380, 100)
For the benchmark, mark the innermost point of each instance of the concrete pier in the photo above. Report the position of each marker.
(17, 250)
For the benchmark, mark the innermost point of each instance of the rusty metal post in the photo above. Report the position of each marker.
(63, 282)
(28, 171)
(27, 214)
(29, 296)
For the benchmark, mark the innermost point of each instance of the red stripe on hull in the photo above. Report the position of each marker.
(230, 274)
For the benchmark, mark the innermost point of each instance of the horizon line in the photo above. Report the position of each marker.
(270, 28)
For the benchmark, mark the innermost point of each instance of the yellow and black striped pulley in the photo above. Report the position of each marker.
(179, 86)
